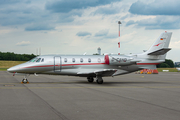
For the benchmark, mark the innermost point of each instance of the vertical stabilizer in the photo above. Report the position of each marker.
(160, 46)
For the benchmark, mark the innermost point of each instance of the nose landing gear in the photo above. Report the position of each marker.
(25, 79)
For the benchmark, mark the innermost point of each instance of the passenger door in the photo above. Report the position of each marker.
(57, 64)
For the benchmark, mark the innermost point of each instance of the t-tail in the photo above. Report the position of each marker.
(157, 52)
(160, 46)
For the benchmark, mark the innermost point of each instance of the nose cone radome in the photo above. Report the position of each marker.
(17, 68)
(12, 69)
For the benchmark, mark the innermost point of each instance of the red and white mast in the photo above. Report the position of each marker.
(119, 22)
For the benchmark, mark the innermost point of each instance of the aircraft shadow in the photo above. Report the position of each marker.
(104, 84)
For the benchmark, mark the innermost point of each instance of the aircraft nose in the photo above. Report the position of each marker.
(12, 69)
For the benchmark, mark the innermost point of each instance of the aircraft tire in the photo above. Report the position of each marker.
(99, 81)
(24, 81)
(90, 79)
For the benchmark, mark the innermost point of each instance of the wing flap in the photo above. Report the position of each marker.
(104, 72)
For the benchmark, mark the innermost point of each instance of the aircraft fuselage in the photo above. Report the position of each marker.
(74, 65)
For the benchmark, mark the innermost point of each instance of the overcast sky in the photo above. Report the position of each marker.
(79, 26)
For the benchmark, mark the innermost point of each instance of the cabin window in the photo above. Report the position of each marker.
(42, 60)
(65, 59)
(73, 60)
(89, 59)
(38, 60)
(99, 60)
(81, 60)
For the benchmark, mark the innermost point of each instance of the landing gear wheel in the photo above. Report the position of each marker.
(90, 79)
(99, 80)
(24, 81)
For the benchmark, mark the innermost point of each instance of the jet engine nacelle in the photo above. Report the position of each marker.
(119, 60)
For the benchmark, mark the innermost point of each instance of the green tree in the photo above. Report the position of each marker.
(167, 64)
(16, 57)
(170, 63)
(164, 65)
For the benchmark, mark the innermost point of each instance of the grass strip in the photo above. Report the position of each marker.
(3, 69)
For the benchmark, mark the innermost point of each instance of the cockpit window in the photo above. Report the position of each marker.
(38, 60)
(33, 60)
(42, 60)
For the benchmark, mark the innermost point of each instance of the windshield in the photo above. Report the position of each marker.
(39, 59)
(34, 59)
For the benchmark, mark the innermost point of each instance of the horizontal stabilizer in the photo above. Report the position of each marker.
(160, 51)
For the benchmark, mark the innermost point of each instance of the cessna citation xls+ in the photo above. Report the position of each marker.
(96, 66)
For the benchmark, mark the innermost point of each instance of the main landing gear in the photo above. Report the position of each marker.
(90, 79)
(99, 79)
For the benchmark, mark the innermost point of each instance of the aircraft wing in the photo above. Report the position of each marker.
(148, 67)
(103, 72)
